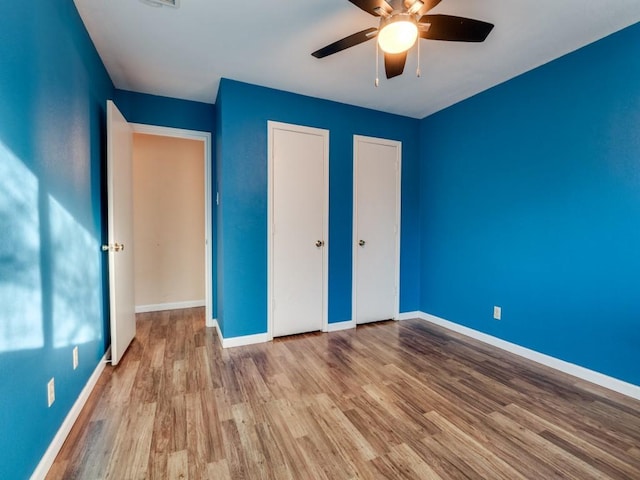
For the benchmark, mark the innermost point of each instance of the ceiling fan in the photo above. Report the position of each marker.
(401, 23)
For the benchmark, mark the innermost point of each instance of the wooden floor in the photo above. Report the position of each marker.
(389, 400)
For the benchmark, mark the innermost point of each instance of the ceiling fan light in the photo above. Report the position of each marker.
(398, 34)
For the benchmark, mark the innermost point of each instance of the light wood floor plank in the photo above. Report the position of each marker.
(387, 400)
(178, 465)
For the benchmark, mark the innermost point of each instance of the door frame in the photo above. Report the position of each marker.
(398, 145)
(271, 127)
(206, 138)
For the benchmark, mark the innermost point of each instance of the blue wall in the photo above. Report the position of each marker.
(243, 112)
(165, 111)
(530, 199)
(53, 89)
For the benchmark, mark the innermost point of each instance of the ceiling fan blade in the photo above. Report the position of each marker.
(394, 63)
(347, 42)
(455, 29)
(371, 6)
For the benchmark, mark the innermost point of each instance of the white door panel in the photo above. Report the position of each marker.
(120, 224)
(376, 228)
(298, 220)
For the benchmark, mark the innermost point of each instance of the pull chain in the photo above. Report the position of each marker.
(377, 83)
(418, 72)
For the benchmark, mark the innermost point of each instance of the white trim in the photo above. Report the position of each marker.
(271, 126)
(56, 444)
(206, 138)
(583, 373)
(159, 307)
(216, 325)
(338, 326)
(244, 340)
(265, 337)
(239, 341)
(354, 264)
(411, 315)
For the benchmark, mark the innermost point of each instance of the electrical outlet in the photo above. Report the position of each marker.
(51, 392)
(497, 312)
(75, 357)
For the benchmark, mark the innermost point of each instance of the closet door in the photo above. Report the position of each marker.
(298, 193)
(376, 230)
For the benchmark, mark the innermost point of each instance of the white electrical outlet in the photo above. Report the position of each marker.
(51, 392)
(497, 312)
(75, 357)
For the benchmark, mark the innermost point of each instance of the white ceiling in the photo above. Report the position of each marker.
(184, 52)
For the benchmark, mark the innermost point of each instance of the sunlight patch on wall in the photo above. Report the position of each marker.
(20, 279)
(75, 272)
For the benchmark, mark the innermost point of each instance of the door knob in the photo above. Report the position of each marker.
(319, 243)
(361, 243)
(116, 247)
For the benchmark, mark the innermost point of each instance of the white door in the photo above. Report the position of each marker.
(120, 218)
(298, 251)
(376, 230)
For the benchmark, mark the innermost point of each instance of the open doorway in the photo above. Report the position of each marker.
(172, 227)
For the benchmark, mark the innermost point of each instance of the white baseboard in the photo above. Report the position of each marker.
(336, 327)
(158, 307)
(56, 444)
(241, 341)
(411, 315)
(212, 323)
(583, 373)
(216, 325)
(265, 337)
